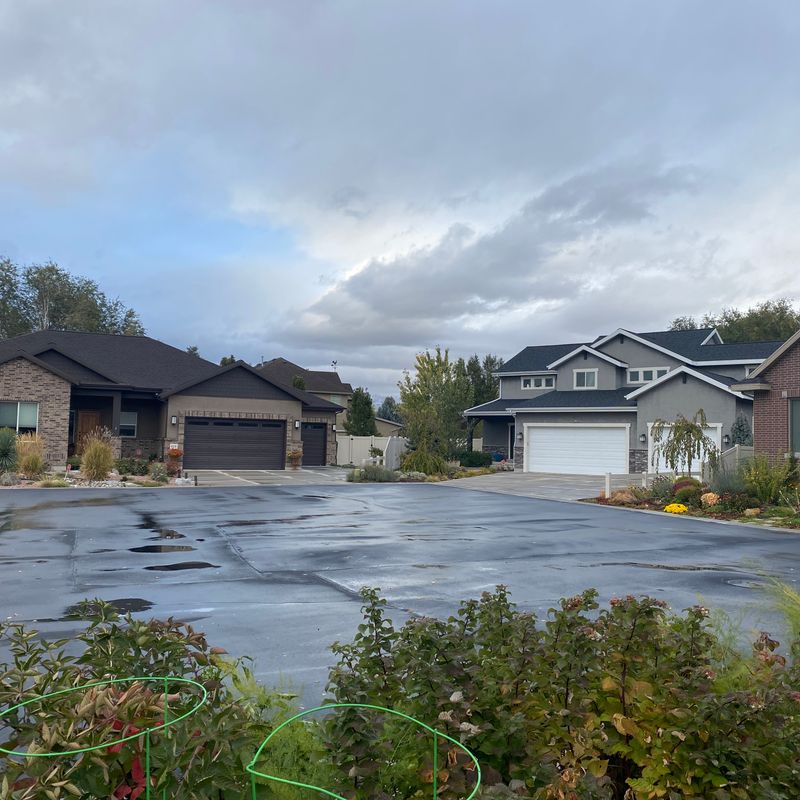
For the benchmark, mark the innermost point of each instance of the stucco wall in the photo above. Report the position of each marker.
(21, 381)
(637, 355)
(495, 435)
(608, 376)
(675, 397)
(511, 388)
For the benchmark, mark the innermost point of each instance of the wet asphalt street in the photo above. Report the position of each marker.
(273, 572)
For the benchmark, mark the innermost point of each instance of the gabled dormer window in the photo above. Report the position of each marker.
(585, 378)
(646, 374)
(539, 382)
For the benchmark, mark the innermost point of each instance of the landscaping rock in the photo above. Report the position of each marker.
(752, 512)
(623, 496)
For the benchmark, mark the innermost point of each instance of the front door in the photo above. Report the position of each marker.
(87, 422)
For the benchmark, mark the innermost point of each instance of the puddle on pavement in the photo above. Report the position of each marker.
(162, 548)
(122, 604)
(166, 533)
(103, 550)
(148, 521)
(429, 566)
(670, 567)
(182, 565)
(743, 584)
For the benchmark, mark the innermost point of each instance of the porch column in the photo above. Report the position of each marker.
(116, 409)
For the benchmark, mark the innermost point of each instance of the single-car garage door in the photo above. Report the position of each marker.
(577, 449)
(234, 443)
(314, 436)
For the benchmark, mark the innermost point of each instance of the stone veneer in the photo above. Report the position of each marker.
(142, 448)
(22, 381)
(637, 461)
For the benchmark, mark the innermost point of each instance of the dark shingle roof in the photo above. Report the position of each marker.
(598, 398)
(284, 372)
(136, 361)
(689, 344)
(536, 359)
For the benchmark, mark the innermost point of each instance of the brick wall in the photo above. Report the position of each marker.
(771, 409)
(142, 447)
(21, 381)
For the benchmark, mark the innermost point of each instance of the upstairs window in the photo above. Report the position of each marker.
(585, 378)
(646, 374)
(20, 417)
(539, 382)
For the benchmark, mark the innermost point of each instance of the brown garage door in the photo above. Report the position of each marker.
(314, 436)
(234, 444)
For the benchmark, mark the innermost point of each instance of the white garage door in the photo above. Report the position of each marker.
(713, 431)
(577, 449)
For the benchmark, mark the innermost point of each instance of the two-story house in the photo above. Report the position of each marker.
(588, 407)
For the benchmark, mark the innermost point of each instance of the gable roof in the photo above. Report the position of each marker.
(720, 381)
(316, 380)
(776, 355)
(130, 361)
(589, 400)
(536, 358)
(38, 362)
(584, 348)
(309, 400)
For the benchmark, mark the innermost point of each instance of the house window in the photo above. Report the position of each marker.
(585, 378)
(646, 374)
(128, 423)
(748, 370)
(20, 417)
(794, 425)
(542, 382)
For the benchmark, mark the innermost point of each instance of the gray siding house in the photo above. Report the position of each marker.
(588, 407)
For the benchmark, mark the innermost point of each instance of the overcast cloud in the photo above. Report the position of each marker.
(358, 181)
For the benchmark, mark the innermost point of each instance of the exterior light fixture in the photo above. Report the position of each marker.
(173, 419)
(519, 436)
(726, 439)
(642, 437)
(297, 424)
(334, 429)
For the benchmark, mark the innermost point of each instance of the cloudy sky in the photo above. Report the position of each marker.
(361, 180)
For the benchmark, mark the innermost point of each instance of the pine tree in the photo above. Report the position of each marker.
(361, 415)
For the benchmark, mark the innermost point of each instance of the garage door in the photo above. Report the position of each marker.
(577, 449)
(234, 444)
(314, 439)
(712, 431)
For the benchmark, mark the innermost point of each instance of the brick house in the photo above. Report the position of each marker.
(149, 395)
(775, 385)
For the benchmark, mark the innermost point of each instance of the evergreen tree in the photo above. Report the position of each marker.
(741, 432)
(389, 409)
(361, 415)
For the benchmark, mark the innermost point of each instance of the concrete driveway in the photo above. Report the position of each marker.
(307, 476)
(273, 572)
(543, 484)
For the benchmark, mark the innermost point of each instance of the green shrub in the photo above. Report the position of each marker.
(74, 462)
(97, 459)
(473, 458)
(8, 450)
(158, 472)
(683, 483)
(30, 456)
(727, 481)
(661, 489)
(738, 502)
(131, 466)
(689, 496)
(422, 460)
(203, 756)
(53, 483)
(766, 480)
(372, 473)
(592, 703)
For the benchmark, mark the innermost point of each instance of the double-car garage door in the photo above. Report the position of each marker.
(234, 443)
(577, 449)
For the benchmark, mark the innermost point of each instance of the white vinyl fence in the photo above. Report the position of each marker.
(356, 449)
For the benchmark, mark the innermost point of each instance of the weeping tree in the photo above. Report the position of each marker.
(683, 441)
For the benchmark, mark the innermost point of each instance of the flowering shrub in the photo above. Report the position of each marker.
(676, 508)
(709, 499)
(174, 452)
